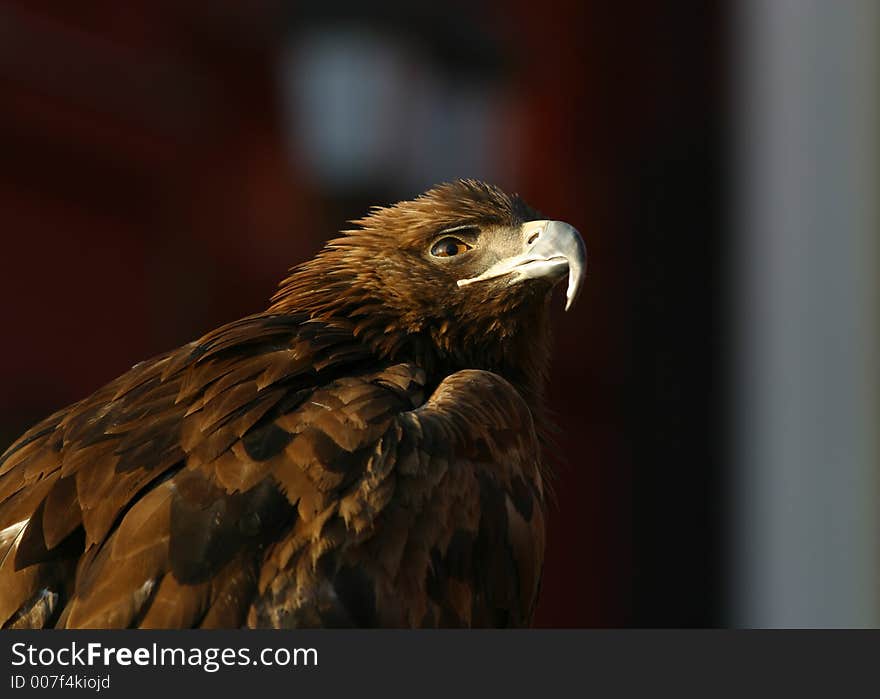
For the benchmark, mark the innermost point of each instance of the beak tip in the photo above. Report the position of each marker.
(575, 279)
(571, 296)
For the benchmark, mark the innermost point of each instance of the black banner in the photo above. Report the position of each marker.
(414, 663)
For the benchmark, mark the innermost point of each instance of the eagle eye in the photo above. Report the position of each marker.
(449, 247)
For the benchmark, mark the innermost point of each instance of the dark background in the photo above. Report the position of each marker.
(155, 182)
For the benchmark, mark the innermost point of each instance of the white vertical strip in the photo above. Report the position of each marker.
(807, 505)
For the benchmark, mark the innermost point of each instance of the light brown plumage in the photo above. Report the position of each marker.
(364, 453)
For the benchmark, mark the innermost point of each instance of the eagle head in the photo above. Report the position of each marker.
(463, 271)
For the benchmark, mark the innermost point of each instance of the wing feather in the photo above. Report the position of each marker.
(274, 474)
(444, 525)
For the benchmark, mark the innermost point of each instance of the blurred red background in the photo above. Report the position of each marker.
(154, 185)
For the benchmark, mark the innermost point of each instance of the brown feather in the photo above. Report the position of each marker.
(366, 452)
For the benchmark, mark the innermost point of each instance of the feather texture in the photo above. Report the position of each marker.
(290, 469)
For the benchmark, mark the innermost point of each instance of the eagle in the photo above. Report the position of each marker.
(367, 452)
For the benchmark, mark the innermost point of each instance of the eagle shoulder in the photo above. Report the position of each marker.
(284, 484)
(445, 526)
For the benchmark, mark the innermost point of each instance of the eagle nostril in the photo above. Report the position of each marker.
(533, 237)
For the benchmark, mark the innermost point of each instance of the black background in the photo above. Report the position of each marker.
(146, 197)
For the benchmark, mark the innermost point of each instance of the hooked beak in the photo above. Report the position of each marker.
(550, 249)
